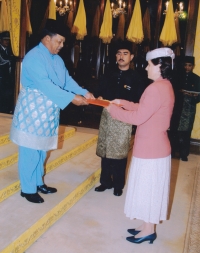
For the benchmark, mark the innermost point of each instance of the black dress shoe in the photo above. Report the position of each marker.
(101, 188)
(133, 231)
(149, 238)
(45, 189)
(117, 192)
(184, 158)
(32, 197)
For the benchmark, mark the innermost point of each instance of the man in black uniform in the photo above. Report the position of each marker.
(7, 74)
(114, 136)
(190, 95)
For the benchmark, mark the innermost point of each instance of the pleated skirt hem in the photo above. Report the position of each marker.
(148, 189)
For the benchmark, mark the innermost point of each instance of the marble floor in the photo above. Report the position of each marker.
(96, 223)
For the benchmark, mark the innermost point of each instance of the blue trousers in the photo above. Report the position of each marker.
(31, 168)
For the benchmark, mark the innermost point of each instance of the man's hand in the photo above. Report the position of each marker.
(79, 100)
(89, 95)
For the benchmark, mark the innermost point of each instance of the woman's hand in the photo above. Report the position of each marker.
(116, 101)
(108, 108)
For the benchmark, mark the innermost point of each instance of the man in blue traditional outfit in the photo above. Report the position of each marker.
(46, 88)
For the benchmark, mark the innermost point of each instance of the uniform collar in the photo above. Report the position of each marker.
(45, 49)
(188, 73)
(123, 71)
(4, 48)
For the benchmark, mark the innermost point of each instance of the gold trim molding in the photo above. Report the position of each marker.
(15, 187)
(64, 158)
(4, 139)
(192, 240)
(10, 160)
(25, 240)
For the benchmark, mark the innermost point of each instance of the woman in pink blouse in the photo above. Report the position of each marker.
(149, 178)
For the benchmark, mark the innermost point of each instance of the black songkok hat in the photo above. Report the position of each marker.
(189, 59)
(54, 26)
(124, 44)
(5, 35)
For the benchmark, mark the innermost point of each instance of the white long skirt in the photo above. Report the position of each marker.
(148, 189)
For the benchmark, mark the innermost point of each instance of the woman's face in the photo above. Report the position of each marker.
(153, 71)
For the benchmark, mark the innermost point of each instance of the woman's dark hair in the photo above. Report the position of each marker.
(166, 66)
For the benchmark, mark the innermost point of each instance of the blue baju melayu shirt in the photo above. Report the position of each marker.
(46, 88)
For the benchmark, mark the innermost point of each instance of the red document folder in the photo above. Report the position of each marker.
(100, 102)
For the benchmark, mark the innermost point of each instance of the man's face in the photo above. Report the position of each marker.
(55, 43)
(188, 67)
(123, 58)
(5, 42)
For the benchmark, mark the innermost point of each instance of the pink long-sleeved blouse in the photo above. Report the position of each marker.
(152, 116)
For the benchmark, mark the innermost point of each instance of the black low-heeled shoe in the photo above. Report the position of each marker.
(133, 231)
(184, 158)
(102, 188)
(46, 189)
(32, 197)
(117, 192)
(151, 238)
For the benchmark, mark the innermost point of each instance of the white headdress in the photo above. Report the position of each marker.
(160, 52)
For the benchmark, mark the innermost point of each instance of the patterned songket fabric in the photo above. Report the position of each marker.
(46, 88)
(35, 115)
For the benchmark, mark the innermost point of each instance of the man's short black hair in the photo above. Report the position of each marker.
(189, 59)
(5, 35)
(54, 27)
(124, 44)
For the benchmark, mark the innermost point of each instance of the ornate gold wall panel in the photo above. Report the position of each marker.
(13, 188)
(36, 230)
(14, 10)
